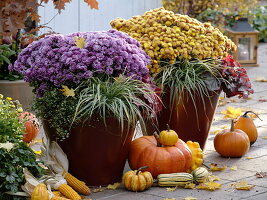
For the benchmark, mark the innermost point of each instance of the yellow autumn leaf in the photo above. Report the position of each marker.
(242, 185)
(171, 189)
(100, 189)
(234, 168)
(67, 92)
(261, 79)
(169, 199)
(249, 158)
(232, 112)
(37, 152)
(212, 178)
(211, 186)
(264, 137)
(113, 186)
(215, 167)
(190, 198)
(80, 42)
(190, 186)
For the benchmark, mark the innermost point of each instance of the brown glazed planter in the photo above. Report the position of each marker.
(96, 153)
(191, 122)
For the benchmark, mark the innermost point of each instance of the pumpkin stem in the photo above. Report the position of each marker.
(157, 138)
(246, 114)
(168, 127)
(232, 125)
(139, 169)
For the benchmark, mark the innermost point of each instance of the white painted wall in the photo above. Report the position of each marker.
(78, 16)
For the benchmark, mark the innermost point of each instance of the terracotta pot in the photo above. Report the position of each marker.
(96, 153)
(190, 120)
(17, 90)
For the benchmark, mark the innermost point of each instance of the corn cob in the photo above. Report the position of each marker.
(57, 193)
(68, 192)
(58, 198)
(77, 185)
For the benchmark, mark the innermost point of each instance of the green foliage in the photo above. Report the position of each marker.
(12, 162)
(57, 109)
(219, 18)
(258, 19)
(121, 98)
(14, 153)
(8, 55)
(11, 129)
(192, 76)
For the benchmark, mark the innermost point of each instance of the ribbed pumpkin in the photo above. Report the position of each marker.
(231, 143)
(31, 126)
(136, 180)
(40, 192)
(246, 124)
(147, 151)
(168, 137)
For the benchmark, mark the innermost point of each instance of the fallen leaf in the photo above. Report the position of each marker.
(37, 152)
(80, 42)
(249, 158)
(261, 174)
(242, 185)
(113, 186)
(67, 92)
(264, 137)
(216, 132)
(190, 186)
(212, 178)
(169, 199)
(262, 100)
(100, 189)
(232, 112)
(92, 3)
(211, 186)
(171, 189)
(234, 168)
(190, 198)
(261, 79)
(215, 167)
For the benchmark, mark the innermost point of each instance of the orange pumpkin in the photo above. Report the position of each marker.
(246, 124)
(31, 126)
(232, 143)
(147, 151)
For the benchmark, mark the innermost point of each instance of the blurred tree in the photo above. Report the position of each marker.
(14, 14)
(194, 7)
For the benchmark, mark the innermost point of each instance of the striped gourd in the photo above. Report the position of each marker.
(200, 174)
(175, 179)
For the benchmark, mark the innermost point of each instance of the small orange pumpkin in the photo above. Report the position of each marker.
(232, 143)
(246, 124)
(168, 137)
(147, 151)
(31, 126)
(137, 180)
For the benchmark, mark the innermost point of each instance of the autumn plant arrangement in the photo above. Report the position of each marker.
(84, 80)
(190, 61)
(81, 74)
(15, 155)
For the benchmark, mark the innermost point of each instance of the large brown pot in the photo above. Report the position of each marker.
(190, 120)
(96, 153)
